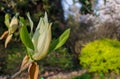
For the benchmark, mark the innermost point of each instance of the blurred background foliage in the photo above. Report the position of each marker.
(64, 58)
(87, 6)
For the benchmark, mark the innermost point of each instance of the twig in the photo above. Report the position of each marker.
(20, 71)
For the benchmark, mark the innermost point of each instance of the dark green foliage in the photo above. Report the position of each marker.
(13, 55)
(87, 6)
(101, 56)
(59, 59)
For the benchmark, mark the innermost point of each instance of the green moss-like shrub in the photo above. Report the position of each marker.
(101, 56)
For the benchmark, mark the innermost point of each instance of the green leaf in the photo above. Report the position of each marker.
(22, 21)
(62, 39)
(55, 44)
(24, 35)
(7, 20)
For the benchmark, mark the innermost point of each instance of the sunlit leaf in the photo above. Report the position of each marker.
(60, 41)
(33, 71)
(63, 38)
(24, 35)
(7, 20)
(22, 21)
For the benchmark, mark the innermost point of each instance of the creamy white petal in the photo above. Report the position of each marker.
(46, 18)
(45, 45)
(39, 24)
(35, 39)
(43, 26)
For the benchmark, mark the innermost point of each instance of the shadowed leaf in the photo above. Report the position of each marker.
(24, 35)
(7, 20)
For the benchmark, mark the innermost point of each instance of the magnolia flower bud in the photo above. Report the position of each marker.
(13, 25)
(41, 39)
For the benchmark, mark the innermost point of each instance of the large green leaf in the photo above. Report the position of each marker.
(7, 20)
(63, 38)
(55, 44)
(24, 35)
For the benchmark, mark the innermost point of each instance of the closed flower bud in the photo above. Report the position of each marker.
(41, 39)
(13, 25)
